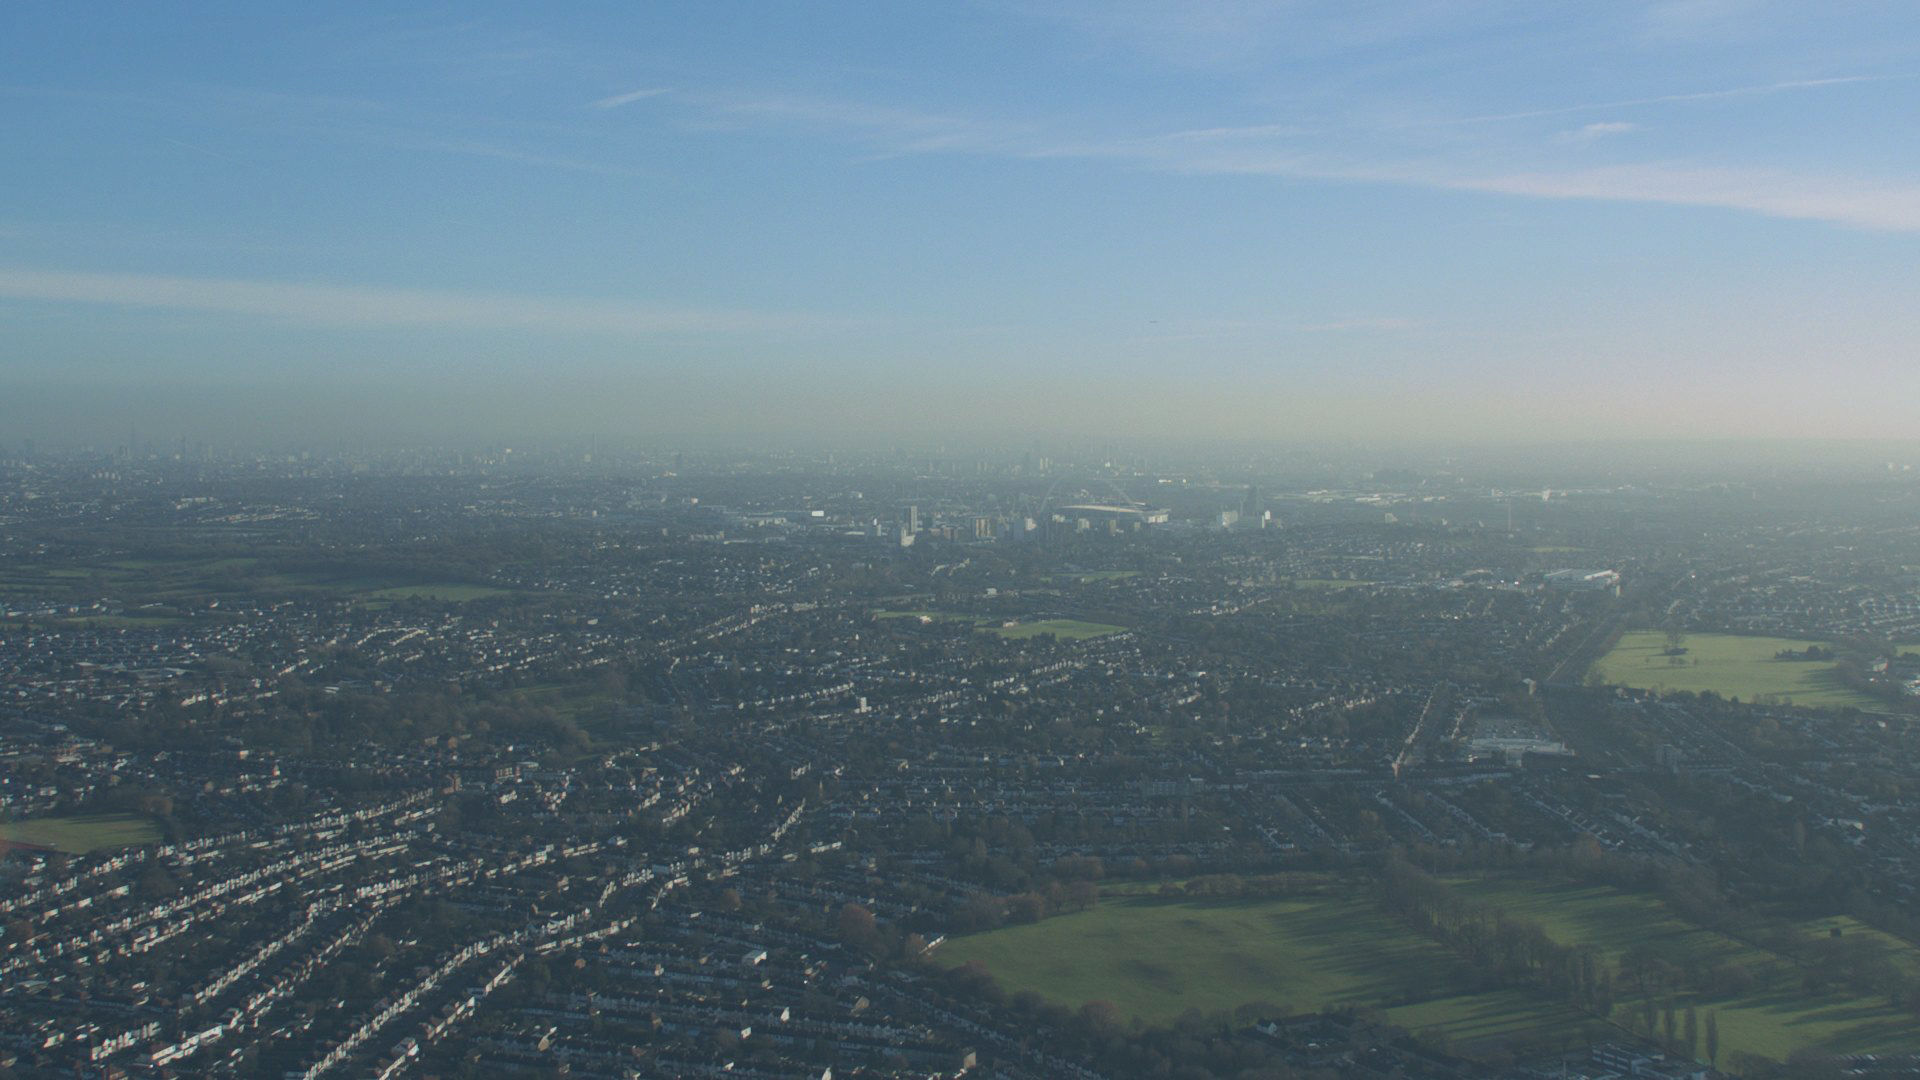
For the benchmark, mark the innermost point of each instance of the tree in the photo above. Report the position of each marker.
(1027, 907)
(858, 930)
(1102, 1015)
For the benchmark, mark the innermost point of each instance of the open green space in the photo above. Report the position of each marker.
(937, 616)
(1780, 1015)
(1155, 958)
(118, 622)
(1495, 1018)
(451, 592)
(1609, 919)
(79, 835)
(1731, 665)
(44, 580)
(196, 581)
(1066, 629)
(1904, 955)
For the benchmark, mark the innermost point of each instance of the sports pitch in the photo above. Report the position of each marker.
(1064, 629)
(80, 835)
(1780, 1015)
(1156, 958)
(1731, 665)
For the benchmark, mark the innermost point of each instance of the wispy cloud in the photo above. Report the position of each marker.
(1866, 204)
(1877, 205)
(1698, 95)
(1893, 207)
(1320, 153)
(1593, 132)
(356, 306)
(628, 98)
(1250, 131)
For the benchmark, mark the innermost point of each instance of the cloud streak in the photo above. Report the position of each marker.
(1884, 206)
(1594, 132)
(1887, 207)
(1320, 153)
(363, 307)
(628, 98)
(1669, 99)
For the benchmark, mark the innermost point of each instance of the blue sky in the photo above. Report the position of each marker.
(1258, 220)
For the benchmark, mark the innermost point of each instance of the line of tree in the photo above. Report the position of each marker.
(1507, 947)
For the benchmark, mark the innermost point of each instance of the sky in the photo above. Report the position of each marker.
(1468, 220)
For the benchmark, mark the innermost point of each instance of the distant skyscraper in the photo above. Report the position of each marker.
(910, 517)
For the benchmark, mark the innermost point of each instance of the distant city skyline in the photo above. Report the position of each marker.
(1480, 222)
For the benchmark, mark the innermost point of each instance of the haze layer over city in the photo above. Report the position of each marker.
(1009, 539)
(1469, 222)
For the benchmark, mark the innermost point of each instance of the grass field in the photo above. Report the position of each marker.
(1608, 919)
(118, 622)
(1905, 956)
(1730, 665)
(1156, 958)
(1777, 1018)
(194, 582)
(453, 592)
(938, 616)
(79, 835)
(1064, 629)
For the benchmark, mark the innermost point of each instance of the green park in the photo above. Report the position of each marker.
(1157, 957)
(1011, 629)
(1731, 665)
(80, 835)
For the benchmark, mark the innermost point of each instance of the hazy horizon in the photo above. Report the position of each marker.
(1261, 223)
